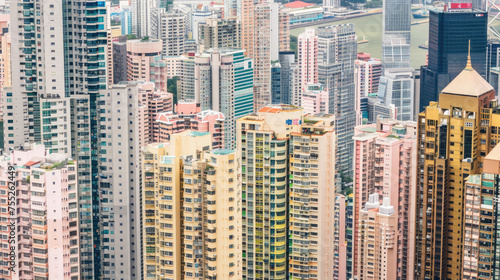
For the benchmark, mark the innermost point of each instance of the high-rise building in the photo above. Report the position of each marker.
(307, 45)
(454, 137)
(191, 210)
(448, 50)
(378, 251)
(265, 32)
(349, 225)
(189, 117)
(367, 74)
(120, 136)
(340, 243)
(312, 200)
(337, 47)
(277, 144)
(219, 80)
(120, 60)
(170, 28)
(39, 215)
(140, 56)
(315, 99)
(141, 17)
(126, 21)
(219, 33)
(385, 164)
(330, 5)
(286, 59)
(397, 87)
(262, 140)
(56, 98)
(481, 214)
(396, 26)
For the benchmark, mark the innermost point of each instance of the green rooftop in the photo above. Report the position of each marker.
(197, 133)
(223, 151)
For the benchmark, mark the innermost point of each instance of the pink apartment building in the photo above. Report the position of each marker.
(152, 103)
(189, 117)
(145, 63)
(308, 57)
(44, 232)
(378, 253)
(385, 164)
(315, 99)
(367, 73)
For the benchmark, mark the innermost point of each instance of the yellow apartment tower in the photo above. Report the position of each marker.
(454, 136)
(191, 210)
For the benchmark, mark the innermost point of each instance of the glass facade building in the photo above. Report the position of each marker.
(449, 35)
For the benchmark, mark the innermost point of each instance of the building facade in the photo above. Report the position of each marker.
(448, 50)
(192, 208)
(454, 137)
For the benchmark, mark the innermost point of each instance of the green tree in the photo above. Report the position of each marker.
(172, 87)
(131, 36)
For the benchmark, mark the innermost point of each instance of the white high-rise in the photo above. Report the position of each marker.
(141, 17)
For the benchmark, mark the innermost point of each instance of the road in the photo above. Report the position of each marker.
(334, 19)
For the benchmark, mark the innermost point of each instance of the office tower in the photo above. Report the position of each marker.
(480, 234)
(385, 164)
(492, 57)
(340, 245)
(307, 45)
(126, 21)
(275, 82)
(119, 154)
(367, 74)
(378, 226)
(263, 139)
(62, 81)
(169, 123)
(39, 215)
(448, 50)
(195, 214)
(141, 17)
(454, 136)
(372, 108)
(219, 33)
(170, 28)
(396, 34)
(286, 59)
(336, 54)
(315, 99)
(397, 87)
(312, 200)
(120, 60)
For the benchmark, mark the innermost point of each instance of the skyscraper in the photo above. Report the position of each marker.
(307, 44)
(141, 17)
(219, 33)
(481, 214)
(57, 98)
(119, 154)
(170, 28)
(384, 163)
(336, 54)
(397, 87)
(312, 200)
(40, 217)
(454, 137)
(195, 214)
(450, 31)
(396, 34)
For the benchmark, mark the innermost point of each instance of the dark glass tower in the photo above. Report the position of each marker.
(449, 35)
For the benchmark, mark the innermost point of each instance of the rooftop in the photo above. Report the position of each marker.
(298, 4)
(223, 152)
(494, 154)
(197, 133)
(468, 83)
